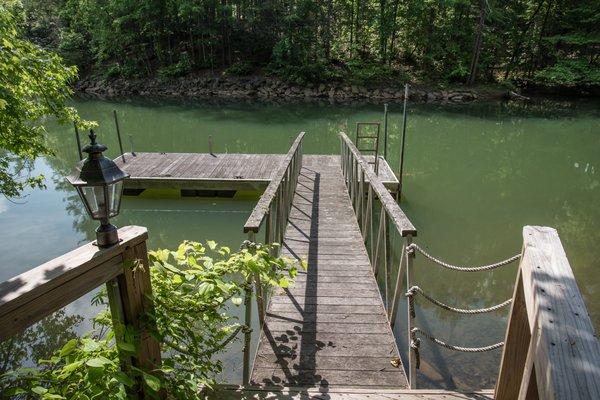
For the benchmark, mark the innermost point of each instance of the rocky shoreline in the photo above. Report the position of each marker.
(266, 88)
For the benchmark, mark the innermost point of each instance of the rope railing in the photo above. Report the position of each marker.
(417, 290)
(415, 344)
(364, 188)
(414, 246)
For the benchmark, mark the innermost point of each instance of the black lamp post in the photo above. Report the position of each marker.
(99, 182)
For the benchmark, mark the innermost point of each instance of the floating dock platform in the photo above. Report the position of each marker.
(206, 173)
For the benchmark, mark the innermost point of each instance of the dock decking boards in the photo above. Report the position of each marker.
(202, 171)
(330, 327)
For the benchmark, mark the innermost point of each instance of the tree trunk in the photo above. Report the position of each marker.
(478, 43)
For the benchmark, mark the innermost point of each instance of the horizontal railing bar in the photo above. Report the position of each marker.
(397, 216)
(29, 297)
(257, 216)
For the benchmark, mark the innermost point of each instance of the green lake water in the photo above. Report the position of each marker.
(475, 175)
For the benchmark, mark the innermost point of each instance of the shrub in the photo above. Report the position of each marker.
(193, 287)
(240, 68)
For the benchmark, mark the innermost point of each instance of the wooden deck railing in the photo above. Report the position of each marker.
(551, 350)
(364, 188)
(273, 209)
(35, 294)
(275, 203)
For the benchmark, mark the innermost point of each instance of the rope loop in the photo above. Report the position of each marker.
(415, 343)
(417, 290)
(452, 347)
(411, 301)
(415, 247)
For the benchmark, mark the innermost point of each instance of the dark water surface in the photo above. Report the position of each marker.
(475, 174)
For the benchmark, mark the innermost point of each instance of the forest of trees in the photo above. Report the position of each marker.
(544, 42)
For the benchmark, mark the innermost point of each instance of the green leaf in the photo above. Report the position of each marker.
(124, 379)
(90, 345)
(205, 287)
(171, 268)
(50, 396)
(98, 362)
(284, 282)
(152, 382)
(236, 300)
(211, 244)
(68, 348)
(128, 347)
(39, 390)
(72, 366)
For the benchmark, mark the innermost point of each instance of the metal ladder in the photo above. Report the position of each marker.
(363, 137)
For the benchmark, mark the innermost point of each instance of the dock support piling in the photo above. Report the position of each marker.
(131, 143)
(399, 193)
(119, 135)
(385, 130)
(78, 140)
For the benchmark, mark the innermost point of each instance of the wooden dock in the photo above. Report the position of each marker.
(330, 328)
(203, 171)
(329, 335)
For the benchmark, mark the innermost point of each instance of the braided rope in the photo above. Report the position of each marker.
(414, 339)
(413, 246)
(415, 289)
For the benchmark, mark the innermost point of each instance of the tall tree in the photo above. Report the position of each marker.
(34, 84)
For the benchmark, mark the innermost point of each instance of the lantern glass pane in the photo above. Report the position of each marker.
(95, 200)
(114, 197)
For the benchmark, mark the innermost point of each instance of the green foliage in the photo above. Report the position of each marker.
(83, 368)
(369, 72)
(182, 67)
(194, 288)
(315, 41)
(240, 68)
(578, 72)
(34, 85)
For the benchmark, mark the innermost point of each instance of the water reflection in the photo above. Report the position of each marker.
(37, 342)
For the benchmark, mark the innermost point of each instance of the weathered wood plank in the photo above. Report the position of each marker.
(223, 392)
(257, 216)
(564, 349)
(397, 216)
(330, 326)
(27, 298)
(203, 171)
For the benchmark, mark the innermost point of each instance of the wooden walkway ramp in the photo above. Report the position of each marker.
(330, 328)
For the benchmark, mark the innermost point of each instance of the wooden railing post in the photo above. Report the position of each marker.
(130, 297)
(380, 238)
(516, 345)
(398, 287)
(247, 332)
(551, 350)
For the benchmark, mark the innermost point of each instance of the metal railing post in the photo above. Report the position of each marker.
(247, 332)
(78, 139)
(119, 135)
(412, 359)
(385, 130)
